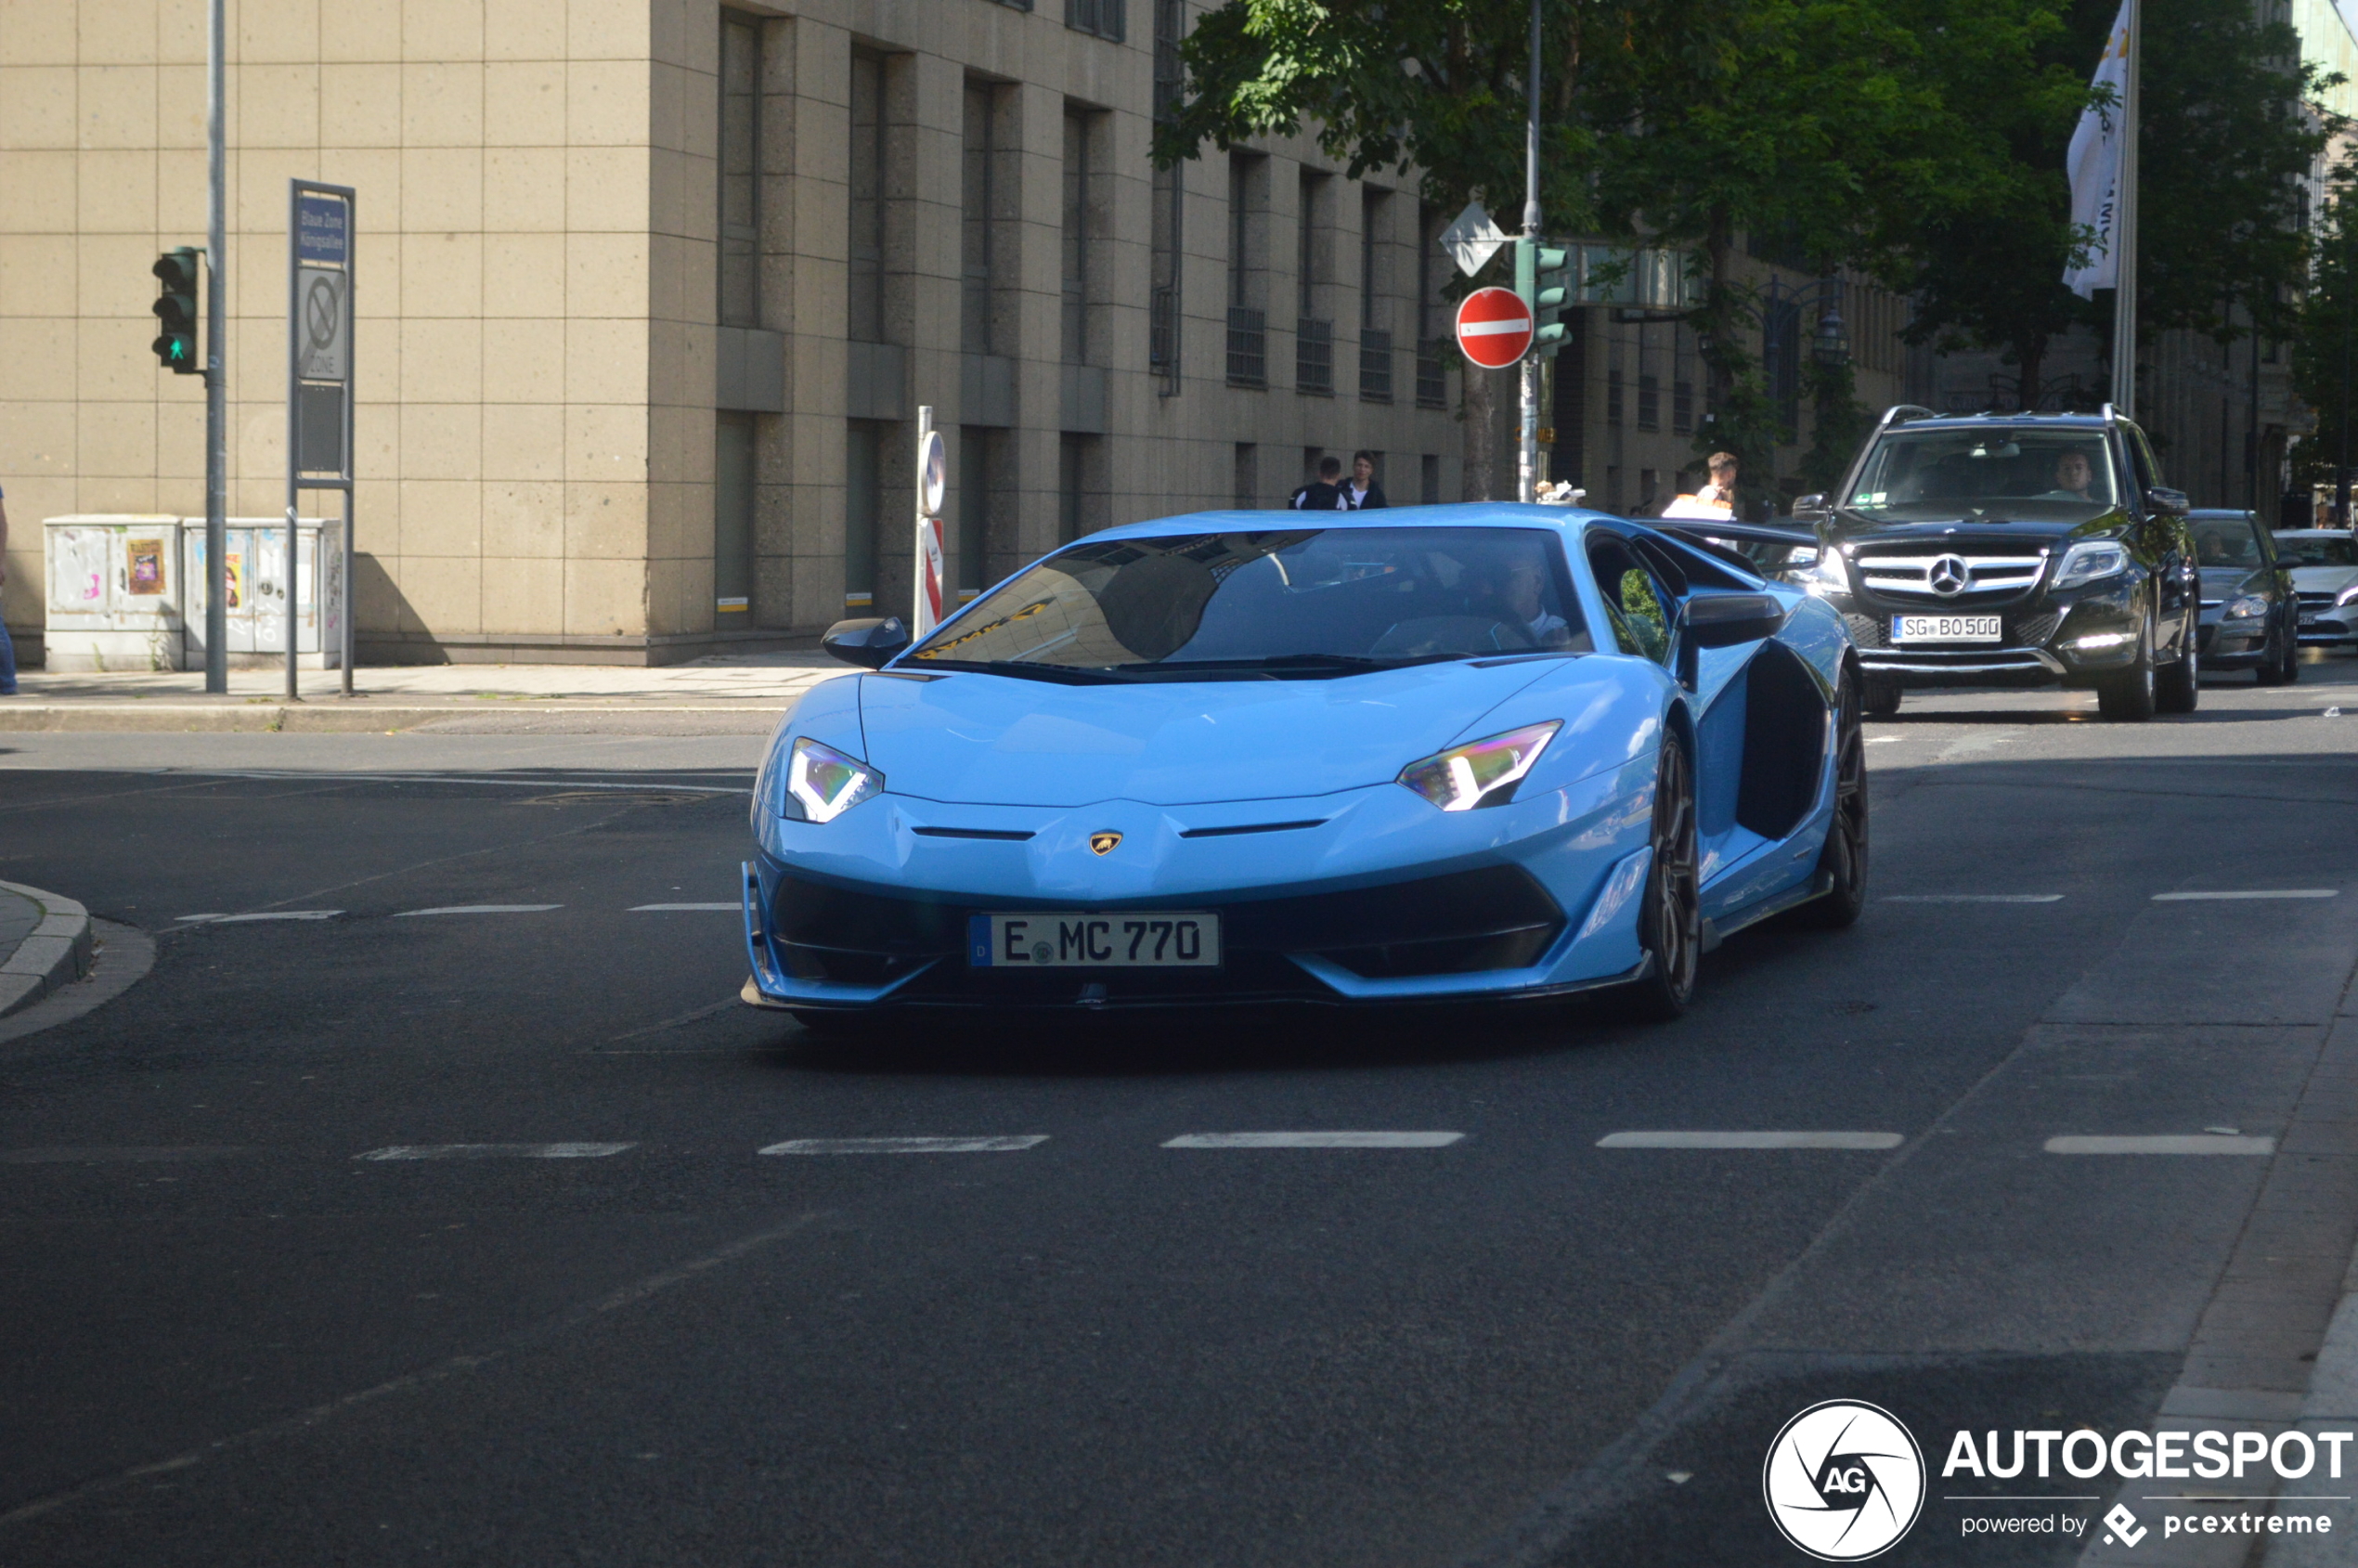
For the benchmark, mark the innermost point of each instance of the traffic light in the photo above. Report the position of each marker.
(177, 311)
(1552, 286)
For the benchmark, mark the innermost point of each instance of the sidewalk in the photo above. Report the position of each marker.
(45, 944)
(724, 694)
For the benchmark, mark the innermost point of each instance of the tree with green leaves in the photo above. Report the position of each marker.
(1836, 122)
(2325, 340)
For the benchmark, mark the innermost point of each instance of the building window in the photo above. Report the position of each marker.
(1162, 306)
(866, 300)
(1104, 18)
(986, 509)
(1374, 333)
(862, 503)
(1081, 485)
(1649, 401)
(1248, 322)
(732, 503)
(1432, 382)
(982, 222)
(1613, 389)
(1247, 491)
(740, 159)
(1429, 494)
(1078, 233)
(1313, 328)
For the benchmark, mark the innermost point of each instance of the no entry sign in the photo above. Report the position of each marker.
(1494, 327)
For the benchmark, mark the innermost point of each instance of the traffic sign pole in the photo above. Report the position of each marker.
(1526, 278)
(217, 380)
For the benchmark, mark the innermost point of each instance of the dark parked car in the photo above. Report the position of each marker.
(2012, 549)
(2250, 618)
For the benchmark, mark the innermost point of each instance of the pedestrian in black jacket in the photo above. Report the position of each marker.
(1323, 496)
(1363, 494)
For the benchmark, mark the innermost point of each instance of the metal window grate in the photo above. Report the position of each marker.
(1649, 403)
(1248, 347)
(1375, 364)
(1314, 357)
(1433, 374)
(1104, 18)
(1162, 331)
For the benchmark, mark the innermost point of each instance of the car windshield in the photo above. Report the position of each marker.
(2226, 541)
(2316, 549)
(1989, 474)
(1303, 602)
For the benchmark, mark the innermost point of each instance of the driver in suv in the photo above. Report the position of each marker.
(2014, 550)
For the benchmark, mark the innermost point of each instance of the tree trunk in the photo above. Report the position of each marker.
(1481, 453)
(2029, 359)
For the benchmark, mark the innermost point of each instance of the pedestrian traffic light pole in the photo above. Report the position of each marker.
(2124, 308)
(216, 448)
(1527, 278)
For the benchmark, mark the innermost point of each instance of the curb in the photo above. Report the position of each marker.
(54, 956)
(146, 717)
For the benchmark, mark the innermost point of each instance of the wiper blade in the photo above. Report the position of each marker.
(1057, 674)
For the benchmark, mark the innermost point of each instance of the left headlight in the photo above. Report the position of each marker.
(1825, 575)
(1482, 773)
(822, 784)
(2091, 560)
(2250, 607)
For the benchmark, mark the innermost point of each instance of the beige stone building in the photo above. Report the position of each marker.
(649, 292)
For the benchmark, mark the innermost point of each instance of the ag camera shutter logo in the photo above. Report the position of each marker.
(1844, 1481)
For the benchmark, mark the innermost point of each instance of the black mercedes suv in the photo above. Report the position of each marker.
(2011, 549)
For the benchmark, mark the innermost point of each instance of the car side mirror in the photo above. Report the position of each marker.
(2175, 503)
(1722, 620)
(869, 643)
(1812, 505)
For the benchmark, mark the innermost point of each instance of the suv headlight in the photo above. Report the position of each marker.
(822, 784)
(2087, 562)
(2347, 594)
(1482, 773)
(2250, 607)
(1826, 574)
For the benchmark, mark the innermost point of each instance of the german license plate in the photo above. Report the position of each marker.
(1944, 629)
(1141, 939)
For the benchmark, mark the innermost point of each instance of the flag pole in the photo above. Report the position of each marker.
(2124, 308)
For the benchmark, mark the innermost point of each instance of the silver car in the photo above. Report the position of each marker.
(2325, 578)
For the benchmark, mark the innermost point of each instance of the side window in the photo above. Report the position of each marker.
(2141, 458)
(1635, 602)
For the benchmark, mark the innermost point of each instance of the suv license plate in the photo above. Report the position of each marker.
(1944, 629)
(1139, 939)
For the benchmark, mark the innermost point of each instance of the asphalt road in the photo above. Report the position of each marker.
(398, 1237)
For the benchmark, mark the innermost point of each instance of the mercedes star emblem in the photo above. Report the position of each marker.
(1948, 575)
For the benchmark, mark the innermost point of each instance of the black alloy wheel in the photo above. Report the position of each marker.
(2129, 696)
(1845, 856)
(1670, 920)
(2178, 687)
(1882, 699)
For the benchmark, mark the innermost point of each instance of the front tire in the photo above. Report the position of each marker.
(2179, 688)
(1845, 856)
(2281, 664)
(1670, 920)
(2127, 698)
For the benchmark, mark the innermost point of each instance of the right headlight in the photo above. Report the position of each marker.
(1826, 575)
(822, 784)
(1466, 776)
(2090, 560)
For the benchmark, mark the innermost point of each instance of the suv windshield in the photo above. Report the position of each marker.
(2316, 549)
(2226, 541)
(1306, 601)
(1988, 473)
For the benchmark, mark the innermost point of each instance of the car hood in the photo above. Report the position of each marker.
(2226, 582)
(2324, 579)
(999, 740)
(1974, 533)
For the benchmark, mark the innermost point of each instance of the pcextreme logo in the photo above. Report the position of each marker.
(1844, 1481)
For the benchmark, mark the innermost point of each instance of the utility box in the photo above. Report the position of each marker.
(260, 589)
(115, 599)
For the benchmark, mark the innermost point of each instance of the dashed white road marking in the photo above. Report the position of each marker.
(479, 909)
(1972, 898)
(2248, 893)
(1004, 1145)
(115, 1156)
(267, 914)
(1751, 1140)
(1886, 740)
(2166, 1143)
(727, 908)
(1314, 1140)
(495, 1151)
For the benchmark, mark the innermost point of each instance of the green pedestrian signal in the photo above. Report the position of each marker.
(177, 311)
(1551, 295)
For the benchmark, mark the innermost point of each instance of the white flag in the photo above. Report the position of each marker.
(2094, 164)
